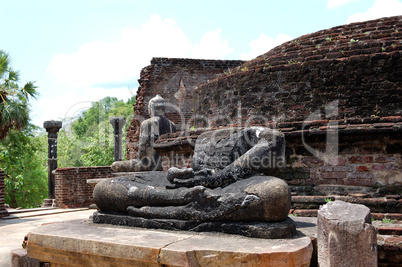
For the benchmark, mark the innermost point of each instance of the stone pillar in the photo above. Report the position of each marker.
(3, 211)
(345, 236)
(117, 123)
(52, 127)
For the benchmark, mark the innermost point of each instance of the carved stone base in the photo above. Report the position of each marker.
(269, 230)
(49, 202)
(80, 243)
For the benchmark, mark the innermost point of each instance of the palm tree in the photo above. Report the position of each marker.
(14, 111)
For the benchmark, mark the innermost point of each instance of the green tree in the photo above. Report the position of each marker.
(88, 122)
(21, 151)
(23, 158)
(88, 139)
(14, 111)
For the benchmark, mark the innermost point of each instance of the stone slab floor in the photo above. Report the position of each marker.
(14, 227)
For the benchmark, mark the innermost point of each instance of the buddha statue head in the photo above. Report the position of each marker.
(157, 106)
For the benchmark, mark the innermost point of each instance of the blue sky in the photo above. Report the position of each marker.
(79, 51)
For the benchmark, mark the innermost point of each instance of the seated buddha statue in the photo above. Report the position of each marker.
(150, 130)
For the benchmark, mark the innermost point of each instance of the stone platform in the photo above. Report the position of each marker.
(270, 230)
(82, 243)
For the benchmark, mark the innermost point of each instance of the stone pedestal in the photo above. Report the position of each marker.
(52, 127)
(20, 258)
(345, 236)
(80, 243)
(48, 203)
(117, 123)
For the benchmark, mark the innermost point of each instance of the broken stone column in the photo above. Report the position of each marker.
(117, 123)
(52, 127)
(345, 236)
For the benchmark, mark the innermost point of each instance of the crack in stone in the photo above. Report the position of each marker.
(187, 252)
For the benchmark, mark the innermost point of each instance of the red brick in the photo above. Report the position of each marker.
(319, 122)
(71, 187)
(359, 125)
(390, 230)
(384, 166)
(306, 212)
(360, 175)
(337, 161)
(383, 159)
(338, 126)
(312, 161)
(361, 159)
(360, 182)
(394, 239)
(382, 125)
(297, 107)
(392, 118)
(288, 129)
(362, 168)
(333, 175)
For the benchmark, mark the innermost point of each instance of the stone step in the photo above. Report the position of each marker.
(374, 216)
(389, 250)
(386, 204)
(390, 230)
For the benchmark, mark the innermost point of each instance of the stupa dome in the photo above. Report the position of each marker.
(357, 65)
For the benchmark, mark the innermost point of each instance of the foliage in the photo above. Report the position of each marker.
(23, 158)
(14, 111)
(88, 139)
(98, 149)
(386, 220)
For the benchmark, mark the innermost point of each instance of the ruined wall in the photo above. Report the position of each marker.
(71, 188)
(367, 152)
(358, 65)
(175, 79)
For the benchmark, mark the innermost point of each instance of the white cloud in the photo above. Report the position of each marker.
(99, 62)
(99, 69)
(72, 103)
(211, 46)
(263, 44)
(337, 3)
(380, 8)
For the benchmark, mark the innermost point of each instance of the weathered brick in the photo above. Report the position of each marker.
(312, 161)
(384, 167)
(360, 175)
(333, 175)
(336, 161)
(361, 159)
(359, 182)
(362, 168)
(71, 188)
(383, 159)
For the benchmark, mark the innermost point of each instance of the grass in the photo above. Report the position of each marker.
(384, 220)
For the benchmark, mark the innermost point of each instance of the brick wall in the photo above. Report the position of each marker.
(369, 152)
(175, 79)
(366, 156)
(3, 211)
(71, 186)
(359, 65)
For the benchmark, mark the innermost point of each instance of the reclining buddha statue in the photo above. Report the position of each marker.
(228, 189)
